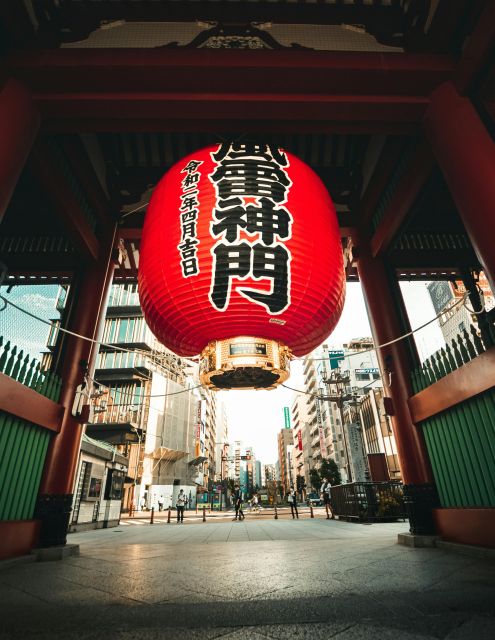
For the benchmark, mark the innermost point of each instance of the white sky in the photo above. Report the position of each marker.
(255, 417)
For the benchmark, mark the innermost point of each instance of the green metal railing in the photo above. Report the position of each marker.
(23, 445)
(466, 346)
(16, 365)
(461, 446)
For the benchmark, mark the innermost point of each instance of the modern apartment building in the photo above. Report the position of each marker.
(270, 473)
(285, 443)
(325, 422)
(258, 474)
(456, 318)
(335, 380)
(146, 405)
(302, 452)
(379, 440)
(221, 444)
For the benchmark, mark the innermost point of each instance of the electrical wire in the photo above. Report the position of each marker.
(128, 213)
(147, 355)
(138, 403)
(386, 344)
(110, 346)
(403, 337)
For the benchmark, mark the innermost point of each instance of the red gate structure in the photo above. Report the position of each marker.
(390, 102)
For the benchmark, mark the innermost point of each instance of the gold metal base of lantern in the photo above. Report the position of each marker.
(245, 362)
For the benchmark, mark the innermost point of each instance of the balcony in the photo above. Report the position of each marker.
(117, 425)
(315, 441)
(311, 384)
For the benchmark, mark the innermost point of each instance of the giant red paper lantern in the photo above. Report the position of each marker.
(241, 260)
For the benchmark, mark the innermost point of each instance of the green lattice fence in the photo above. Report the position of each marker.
(461, 446)
(23, 445)
(463, 348)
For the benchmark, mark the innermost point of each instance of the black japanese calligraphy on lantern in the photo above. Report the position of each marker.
(189, 210)
(251, 185)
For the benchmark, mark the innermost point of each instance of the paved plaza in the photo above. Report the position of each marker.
(260, 579)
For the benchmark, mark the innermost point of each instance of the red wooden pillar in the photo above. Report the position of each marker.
(395, 366)
(19, 123)
(55, 496)
(466, 155)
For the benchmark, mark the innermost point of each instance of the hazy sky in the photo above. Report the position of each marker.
(255, 417)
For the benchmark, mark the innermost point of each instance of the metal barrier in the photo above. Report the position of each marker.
(369, 501)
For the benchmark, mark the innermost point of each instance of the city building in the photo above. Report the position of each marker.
(285, 440)
(209, 425)
(222, 445)
(270, 473)
(259, 479)
(143, 405)
(353, 372)
(303, 461)
(324, 419)
(99, 489)
(381, 448)
(456, 318)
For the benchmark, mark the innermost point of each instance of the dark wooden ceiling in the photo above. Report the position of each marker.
(415, 25)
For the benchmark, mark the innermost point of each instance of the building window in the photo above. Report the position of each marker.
(361, 377)
(114, 487)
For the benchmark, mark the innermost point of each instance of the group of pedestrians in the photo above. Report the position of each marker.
(325, 492)
(182, 501)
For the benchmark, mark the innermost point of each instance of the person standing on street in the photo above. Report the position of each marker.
(292, 499)
(181, 504)
(161, 502)
(238, 503)
(326, 495)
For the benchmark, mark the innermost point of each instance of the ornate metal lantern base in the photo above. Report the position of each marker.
(245, 362)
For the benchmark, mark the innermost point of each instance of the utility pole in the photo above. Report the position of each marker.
(338, 395)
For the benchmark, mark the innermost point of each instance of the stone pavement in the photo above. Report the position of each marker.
(264, 579)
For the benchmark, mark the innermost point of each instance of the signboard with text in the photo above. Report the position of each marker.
(335, 356)
(287, 417)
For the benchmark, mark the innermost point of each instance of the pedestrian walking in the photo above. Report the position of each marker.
(181, 505)
(292, 500)
(161, 502)
(255, 505)
(142, 503)
(238, 503)
(326, 494)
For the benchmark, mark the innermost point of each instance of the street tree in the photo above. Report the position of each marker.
(315, 479)
(300, 485)
(329, 469)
